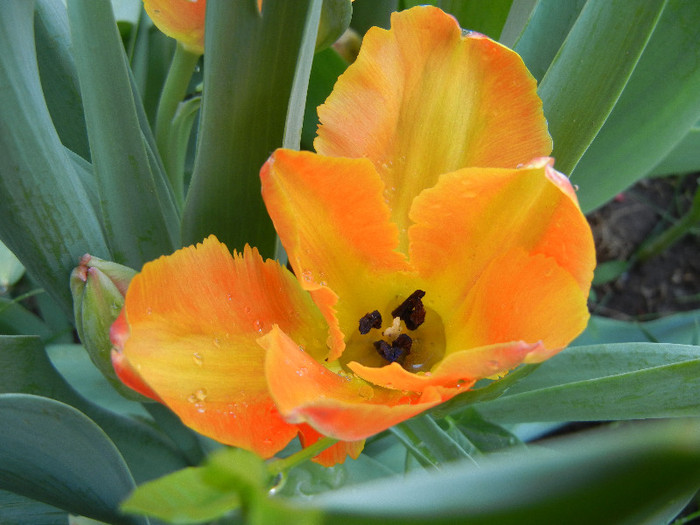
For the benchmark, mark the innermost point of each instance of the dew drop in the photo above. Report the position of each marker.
(200, 394)
(258, 325)
(302, 371)
(229, 297)
(247, 309)
(197, 358)
(200, 407)
(217, 342)
(307, 275)
(149, 310)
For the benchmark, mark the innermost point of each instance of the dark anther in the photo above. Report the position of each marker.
(396, 351)
(411, 311)
(369, 321)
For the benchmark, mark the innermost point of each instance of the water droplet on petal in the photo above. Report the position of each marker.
(258, 325)
(217, 342)
(200, 407)
(302, 371)
(201, 394)
(307, 275)
(149, 310)
(197, 358)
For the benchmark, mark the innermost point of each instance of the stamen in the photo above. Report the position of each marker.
(411, 311)
(397, 351)
(394, 330)
(369, 321)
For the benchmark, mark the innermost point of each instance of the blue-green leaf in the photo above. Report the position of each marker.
(658, 107)
(59, 78)
(139, 213)
(261, 60)
(46, 217)
(624, 476)
(605, 382)
(25, 368)
(52, 453)
(590, 70)
(15, 509)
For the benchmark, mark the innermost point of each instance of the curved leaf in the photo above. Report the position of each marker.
(605, 382)
(45, 214)
(52, 453)
(658, 107)
(590, 71)
(16, 509)
(59, 78)
(25, 368)
(627, 476)
(238, 133)
(140, 217)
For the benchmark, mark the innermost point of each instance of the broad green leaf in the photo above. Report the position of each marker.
(52, 453)
(591, 69)
(623, 476)
(74, 364)
(368, 13)
(139, 214)
(430, 445)
(487, 18)
(605, 382)
(45, 214)
(484, 435)
(16, 509)
(680, 328)
(325, 70)
(15, 319)
(262, 59)
(25, 368)
(658, 107)
(11, 270)
(59, 78)
(684, 158)
(537, 39)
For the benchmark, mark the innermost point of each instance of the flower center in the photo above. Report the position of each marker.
(414, 338)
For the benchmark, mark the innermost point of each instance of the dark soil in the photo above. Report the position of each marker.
(664, 284)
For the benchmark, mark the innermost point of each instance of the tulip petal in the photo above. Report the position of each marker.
(334, 225)
(458, 370)
(194, 319)
(337, 405)
(422, 99)
(182, 20)
(518, 255)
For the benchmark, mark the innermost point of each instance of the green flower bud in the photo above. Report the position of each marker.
(98, 288)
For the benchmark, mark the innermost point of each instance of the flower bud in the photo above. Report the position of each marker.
(98, 288)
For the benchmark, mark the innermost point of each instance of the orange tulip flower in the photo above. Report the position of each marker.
(433, 245)
(182, 20)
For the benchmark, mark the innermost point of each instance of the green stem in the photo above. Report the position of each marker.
(659, 243)
(174, 91)
(282, 465)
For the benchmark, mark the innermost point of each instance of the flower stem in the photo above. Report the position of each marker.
(174, 91)
(282, 465)
(683, 226)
